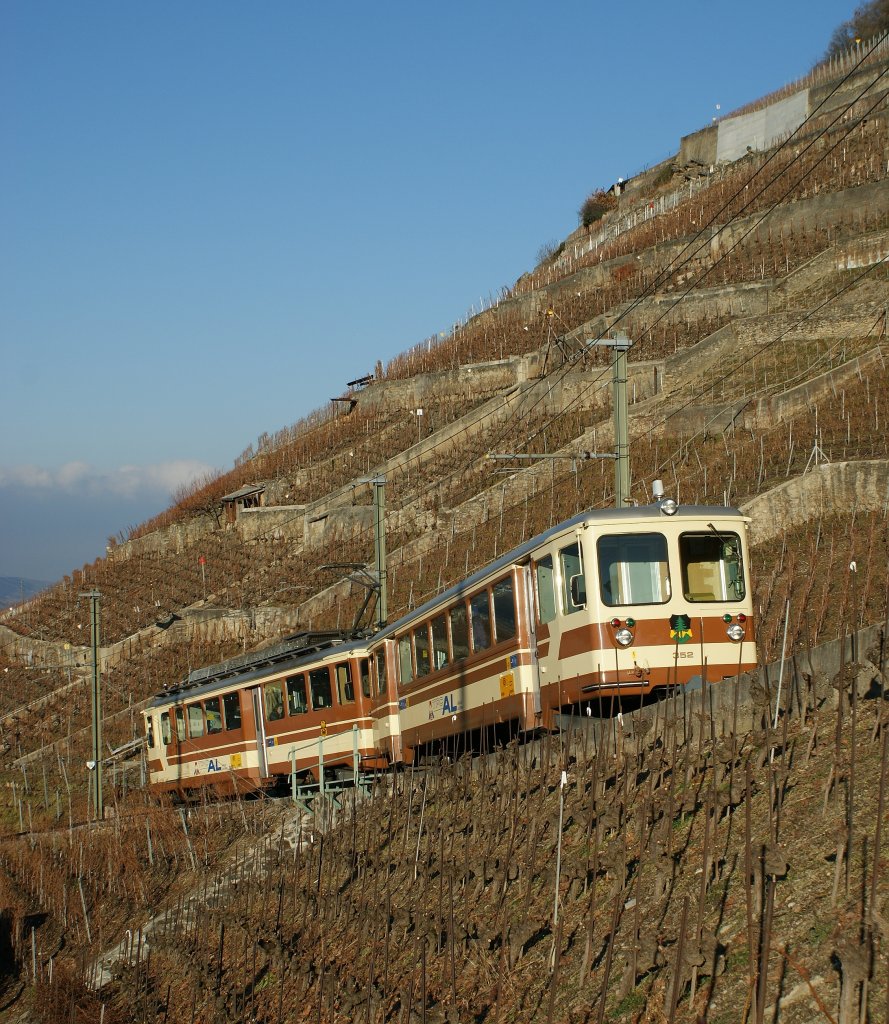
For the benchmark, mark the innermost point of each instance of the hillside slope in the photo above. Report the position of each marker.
(698, 860)
(755, 292)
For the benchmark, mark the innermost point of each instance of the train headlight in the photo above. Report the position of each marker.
(735, 632)
(669, 507)
(624, 637)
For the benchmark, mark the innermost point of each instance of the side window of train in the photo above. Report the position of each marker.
(296, 695)
(149, 731)
(480, 609)
(633, 569)
(459, 631)
(166, 731)
(231, 707)
(421, 648)
(364, 669)
(382, 685)
(180, 724)
(274, 702)
(405, 660)
(546, 591)
(319, 683)
(344, 689)
(573, 581)
(195, 721)
(504, 610)
(711, 566)
(440, 655)
(213, 715)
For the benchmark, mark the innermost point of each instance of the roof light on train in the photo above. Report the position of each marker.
(624, 637)
(669, 507)
(735, 632)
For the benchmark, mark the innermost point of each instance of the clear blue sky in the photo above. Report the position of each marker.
(213, 214)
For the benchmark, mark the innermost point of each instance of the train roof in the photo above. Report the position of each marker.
(592, 516)
(290, 652)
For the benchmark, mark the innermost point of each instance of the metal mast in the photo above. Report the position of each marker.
(96, 764)
(379, 484)
(620, 344)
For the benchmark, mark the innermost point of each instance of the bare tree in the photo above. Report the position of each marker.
(868, 21)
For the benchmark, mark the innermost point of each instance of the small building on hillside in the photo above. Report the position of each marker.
(250, 496)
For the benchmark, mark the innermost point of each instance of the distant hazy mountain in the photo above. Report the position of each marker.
(14, 588)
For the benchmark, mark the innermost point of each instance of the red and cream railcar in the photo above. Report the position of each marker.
(251, 722)
(609, 603)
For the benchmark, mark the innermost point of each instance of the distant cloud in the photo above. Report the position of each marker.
(123, 482)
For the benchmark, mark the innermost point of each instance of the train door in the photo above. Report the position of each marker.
(531, 619)
(384, 705)
(157, 733)
(178, 741)
(259, 718)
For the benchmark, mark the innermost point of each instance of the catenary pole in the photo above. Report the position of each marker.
(96, 764)
(621, 345)
(379, 485)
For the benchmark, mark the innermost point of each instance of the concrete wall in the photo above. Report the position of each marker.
(472, 381)
(835, 95)
(705, 419)
(693, 361)
(772, 410)
(201, 622)
(761, 129)
(826, 211)
(730, 138)
(699, 147)
(823, 490)
(175, 538)
(763, 326)
(339, 523)
(591, 389)
(272, 522)
(746, 299)
(859, 253)
(26, 650)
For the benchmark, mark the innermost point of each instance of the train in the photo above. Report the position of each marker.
(608, 605)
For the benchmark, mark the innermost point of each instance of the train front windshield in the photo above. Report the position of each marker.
(634, 569)
(712, 569)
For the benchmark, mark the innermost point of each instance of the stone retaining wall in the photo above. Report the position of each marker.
(863, 486)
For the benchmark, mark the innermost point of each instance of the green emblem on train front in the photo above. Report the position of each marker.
(680, 628)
